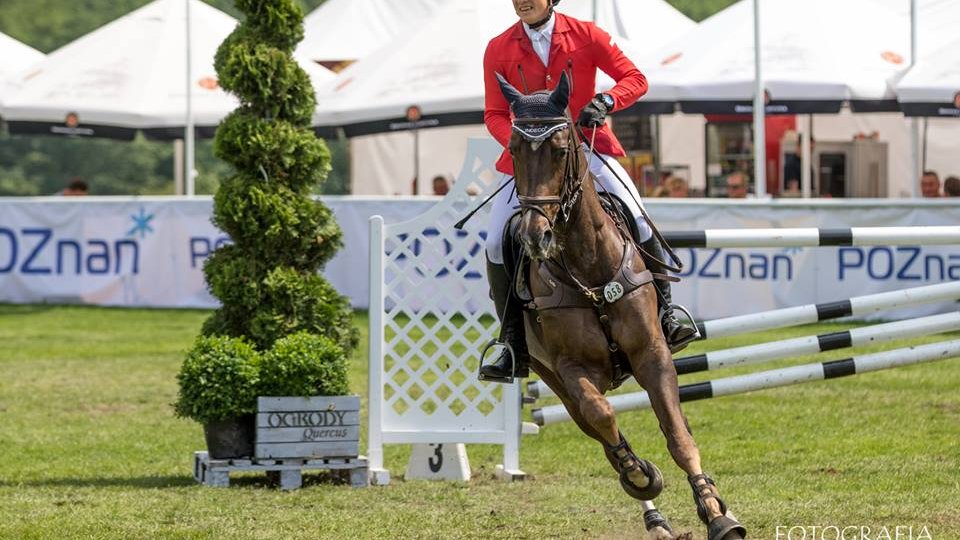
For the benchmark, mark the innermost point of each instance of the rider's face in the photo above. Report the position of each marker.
(531, 11)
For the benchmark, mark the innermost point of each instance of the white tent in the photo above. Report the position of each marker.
(440, 66)
(130, 75)
(17, 58)
(932, 86)
(342, 31)
(812, 61)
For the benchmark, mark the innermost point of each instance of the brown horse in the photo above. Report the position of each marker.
(581, 317)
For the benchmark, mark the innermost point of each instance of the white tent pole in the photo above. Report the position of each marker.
(759, 112)
(178, 161)
(191, 143)
(806, 181)
(594, 12)
(914, 123)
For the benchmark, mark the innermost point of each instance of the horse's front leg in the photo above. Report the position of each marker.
(582, 382)
(658, 528)
(653, 368)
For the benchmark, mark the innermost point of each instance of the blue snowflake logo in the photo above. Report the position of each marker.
(141, 224)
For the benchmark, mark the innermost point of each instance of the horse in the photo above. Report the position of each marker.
(574, 246)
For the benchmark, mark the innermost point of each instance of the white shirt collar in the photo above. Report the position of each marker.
(545, 31)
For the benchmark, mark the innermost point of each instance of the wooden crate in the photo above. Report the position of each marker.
(308, 427)
(216, 472)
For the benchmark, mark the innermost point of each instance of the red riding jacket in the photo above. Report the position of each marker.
(578, 47)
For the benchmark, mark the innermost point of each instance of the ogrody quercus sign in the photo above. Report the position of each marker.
(308, 428)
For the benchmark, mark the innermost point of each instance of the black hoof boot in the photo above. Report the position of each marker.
(513, 362)
(653, 518)
(723, 527)
(627, 463)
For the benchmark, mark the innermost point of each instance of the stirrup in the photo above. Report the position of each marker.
(513, 358)
(682, 344)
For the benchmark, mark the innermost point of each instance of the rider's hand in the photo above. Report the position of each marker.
(595, 112)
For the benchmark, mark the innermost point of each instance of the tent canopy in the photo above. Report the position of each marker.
(342, 31)
(130, 75)
(439, 68)
(932, 87)
(811, 60)
(17, 58)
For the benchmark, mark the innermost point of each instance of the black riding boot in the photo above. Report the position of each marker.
(503, 369)
(677, 334)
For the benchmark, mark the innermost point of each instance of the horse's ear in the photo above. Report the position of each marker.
(561, 94)
(509, 92)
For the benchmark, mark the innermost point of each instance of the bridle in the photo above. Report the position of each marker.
(536, 131)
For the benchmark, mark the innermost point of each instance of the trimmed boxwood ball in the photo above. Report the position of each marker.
(219, 379)
(304, 364)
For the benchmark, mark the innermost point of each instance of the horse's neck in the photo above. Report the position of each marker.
(592, 246)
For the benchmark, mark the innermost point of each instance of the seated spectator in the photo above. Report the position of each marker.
(440, 185)
(951, 187)
(737, 185)
(930, 184)
(76, 188)
(677, 187)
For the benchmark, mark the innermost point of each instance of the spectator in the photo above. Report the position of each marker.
(930, 184)
(440, 185)
(951, 187)
(677, 187)
(76, 188)
(792, 190)
(737, 185)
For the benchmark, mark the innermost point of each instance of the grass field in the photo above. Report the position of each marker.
(89, 448)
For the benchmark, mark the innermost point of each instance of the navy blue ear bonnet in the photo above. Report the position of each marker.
(538, 115)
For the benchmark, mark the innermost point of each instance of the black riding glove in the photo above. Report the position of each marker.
(594, 113)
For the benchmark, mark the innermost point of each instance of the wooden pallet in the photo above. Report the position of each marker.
(216, 472)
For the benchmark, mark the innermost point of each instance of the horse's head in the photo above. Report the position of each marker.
(547, 164)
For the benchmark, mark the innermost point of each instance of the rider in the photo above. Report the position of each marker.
(531, 55)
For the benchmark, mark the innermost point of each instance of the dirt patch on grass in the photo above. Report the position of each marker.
(97, 409)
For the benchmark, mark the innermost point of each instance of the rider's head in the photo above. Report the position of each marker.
(534, 12)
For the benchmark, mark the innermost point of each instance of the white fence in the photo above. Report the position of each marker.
(430, 317)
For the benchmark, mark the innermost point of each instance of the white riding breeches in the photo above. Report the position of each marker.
(503, 205)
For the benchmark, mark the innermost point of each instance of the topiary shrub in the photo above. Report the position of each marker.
(218, 380)
(272, 298)
(304, 364)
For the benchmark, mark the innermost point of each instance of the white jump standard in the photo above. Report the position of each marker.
(775, 378)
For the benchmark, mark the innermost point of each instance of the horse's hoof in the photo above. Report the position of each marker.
(725, 528)
(652, 489)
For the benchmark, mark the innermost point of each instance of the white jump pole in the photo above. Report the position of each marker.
(812, 313)
(775, 378)
(765, 352)
(811, 237)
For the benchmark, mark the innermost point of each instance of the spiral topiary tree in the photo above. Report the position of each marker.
(268, 280)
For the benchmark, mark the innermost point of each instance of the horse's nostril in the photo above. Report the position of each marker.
(546, 240)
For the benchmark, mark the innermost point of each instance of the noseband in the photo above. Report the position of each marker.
(536, 131)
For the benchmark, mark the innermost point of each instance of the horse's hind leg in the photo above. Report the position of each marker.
(658, 376)
(658, 528)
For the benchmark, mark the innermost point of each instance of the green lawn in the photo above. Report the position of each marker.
(89, 448)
